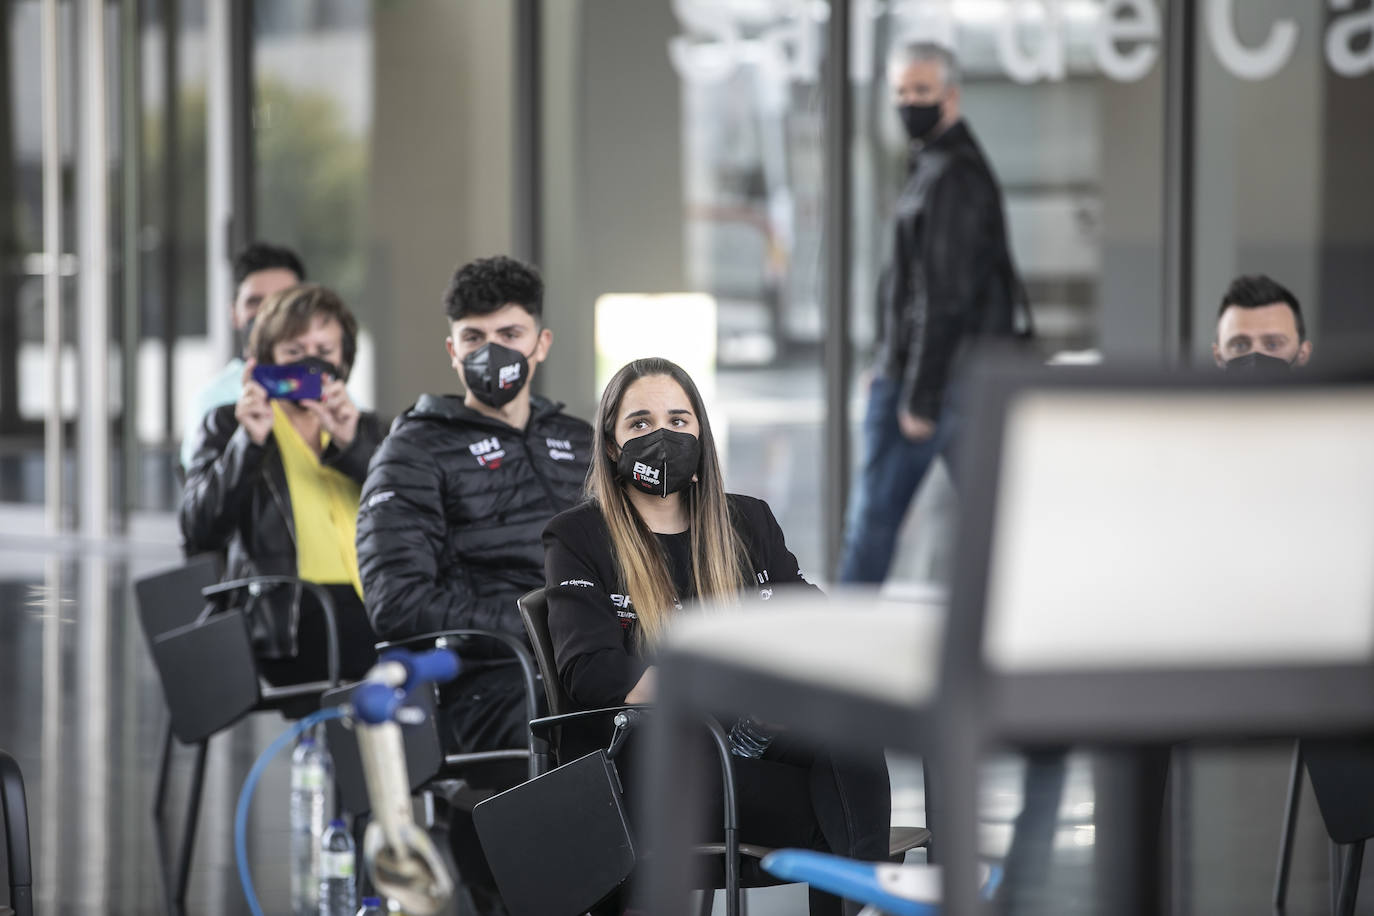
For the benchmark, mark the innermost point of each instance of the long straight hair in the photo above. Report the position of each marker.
(718, 556)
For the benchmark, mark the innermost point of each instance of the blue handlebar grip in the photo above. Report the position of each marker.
(437, 666)
(376, 703)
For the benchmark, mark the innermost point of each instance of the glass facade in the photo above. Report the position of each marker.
(681, 148)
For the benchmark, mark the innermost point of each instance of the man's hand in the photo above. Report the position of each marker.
(253, 410)
(917, 429)
(336, 411)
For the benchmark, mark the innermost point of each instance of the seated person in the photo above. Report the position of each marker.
(659, 531)
(259, 271)
(275, 482)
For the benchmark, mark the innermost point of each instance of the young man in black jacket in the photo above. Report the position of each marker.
(460, 491)
(452, 511)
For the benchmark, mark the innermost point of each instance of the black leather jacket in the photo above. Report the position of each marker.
(236, 499)
(950, 276)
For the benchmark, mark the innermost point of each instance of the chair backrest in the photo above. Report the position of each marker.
(172, 598)
(16, 824)
(209, 675)
(1144, 553)
(534, 611)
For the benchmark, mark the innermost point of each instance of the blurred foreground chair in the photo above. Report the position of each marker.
(603, 860)
(1120, 579)
(18, 861)
(205, 662)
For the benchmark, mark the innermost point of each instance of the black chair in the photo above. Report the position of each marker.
(548, 739)
(426, 762)
(190, 636)
(18, 859)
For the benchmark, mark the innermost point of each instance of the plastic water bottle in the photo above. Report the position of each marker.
(311, 791)
(748, 738)
(372, 906)
(338, 894)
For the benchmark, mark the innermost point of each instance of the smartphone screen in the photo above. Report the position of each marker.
(291, 382)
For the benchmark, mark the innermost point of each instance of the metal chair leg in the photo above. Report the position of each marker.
(188, 836)
(1350, 879)
(928, 792)
(1290, 824)
(163, 768)
(1335, 860)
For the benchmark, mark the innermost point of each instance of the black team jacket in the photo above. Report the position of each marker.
(451, 515)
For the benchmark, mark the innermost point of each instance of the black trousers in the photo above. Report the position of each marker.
(356, 641)
(483, 710)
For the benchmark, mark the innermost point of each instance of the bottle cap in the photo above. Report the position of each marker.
(338, 823)
(307, 741)
(372, 901)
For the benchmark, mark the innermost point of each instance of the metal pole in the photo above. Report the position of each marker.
(1180, 92)
(838, 232)
(243, 216)
(93, 292)
(219, 176)
(528, 103)
(131, 295)
(171, 223)
(52, 271)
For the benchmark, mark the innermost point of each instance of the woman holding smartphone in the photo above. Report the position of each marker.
(658, 531)
(275, 481)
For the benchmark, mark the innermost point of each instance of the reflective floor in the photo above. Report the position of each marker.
(85, 718)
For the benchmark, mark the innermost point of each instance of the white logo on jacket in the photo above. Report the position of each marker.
(488, 452)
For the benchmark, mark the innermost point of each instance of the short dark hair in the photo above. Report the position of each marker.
(488, 285)
(1253, 291)
(262, 256)
(290, 313)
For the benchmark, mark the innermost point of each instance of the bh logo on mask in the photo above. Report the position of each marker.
(647, 474)
(508, 376)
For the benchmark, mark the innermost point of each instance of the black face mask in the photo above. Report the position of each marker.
(919, 120)
(661, 462)
(325, 366)
(1259, 364)
(495, 374)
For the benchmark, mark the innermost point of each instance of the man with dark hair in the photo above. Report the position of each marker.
(1260, 326)
(949, 279)
(455, 502)
(259, 271)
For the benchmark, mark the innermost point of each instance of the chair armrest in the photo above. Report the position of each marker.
(16, 817)
(546, 724)
(529, 673)
(254, 585)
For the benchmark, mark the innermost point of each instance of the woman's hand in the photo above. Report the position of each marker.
(253, 410)
(643, 691)
(336, 411)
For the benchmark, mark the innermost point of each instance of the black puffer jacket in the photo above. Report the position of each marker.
(452, 511)
(951, 275)
(236, 499)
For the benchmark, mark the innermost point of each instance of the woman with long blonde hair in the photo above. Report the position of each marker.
(658, 530)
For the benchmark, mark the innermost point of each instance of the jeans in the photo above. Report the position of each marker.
(893, 469)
